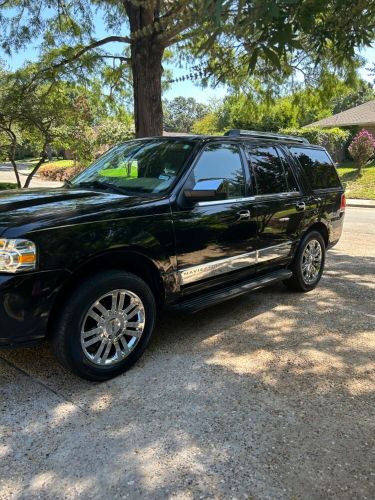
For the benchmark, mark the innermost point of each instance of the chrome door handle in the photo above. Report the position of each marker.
(301, 205)
(243, 215)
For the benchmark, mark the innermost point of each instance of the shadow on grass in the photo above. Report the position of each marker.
(350, 176)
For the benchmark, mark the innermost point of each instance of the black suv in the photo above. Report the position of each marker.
(173, 222)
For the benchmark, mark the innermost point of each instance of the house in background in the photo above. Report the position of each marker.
(362, 116)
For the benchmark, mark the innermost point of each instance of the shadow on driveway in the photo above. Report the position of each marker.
(266, 396)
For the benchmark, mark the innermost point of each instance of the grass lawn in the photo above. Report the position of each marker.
(358, 187)
(7, 185)
(120, 172)
(59, 164)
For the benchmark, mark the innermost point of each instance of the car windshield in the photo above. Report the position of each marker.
(148, 166)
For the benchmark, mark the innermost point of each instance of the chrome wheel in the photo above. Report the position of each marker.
(112, 327)
(312, 261)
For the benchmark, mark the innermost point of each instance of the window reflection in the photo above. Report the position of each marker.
(148, 166)
(269, 171)
(317, 167)
(222, 161)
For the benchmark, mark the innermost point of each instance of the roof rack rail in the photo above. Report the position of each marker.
(265, 135)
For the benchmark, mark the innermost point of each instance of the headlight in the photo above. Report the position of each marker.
(17, 256)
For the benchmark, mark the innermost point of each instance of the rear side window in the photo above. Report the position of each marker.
(272, 175)
(317, 167)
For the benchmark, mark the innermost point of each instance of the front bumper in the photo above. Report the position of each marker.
(25, 303)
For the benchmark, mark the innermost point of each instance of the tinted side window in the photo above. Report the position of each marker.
(268, 170)
(222, 161)
(317, 167)
(290, 178)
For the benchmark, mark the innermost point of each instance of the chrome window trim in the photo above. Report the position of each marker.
(289, 194)
(237, 262)
(225, 202)
(286, 194)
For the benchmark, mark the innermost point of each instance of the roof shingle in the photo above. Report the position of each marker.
(364, 114)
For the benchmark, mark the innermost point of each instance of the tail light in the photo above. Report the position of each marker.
(343, 203)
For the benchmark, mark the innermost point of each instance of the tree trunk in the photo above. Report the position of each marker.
(18, 180)
(12, 158)
(29, 178)
(146, 61)
(146, 53)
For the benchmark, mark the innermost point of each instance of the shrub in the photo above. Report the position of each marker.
(61, 170)
(7, 185)
(333, 139)
(208, 125)
(361, 148)
(112, 131)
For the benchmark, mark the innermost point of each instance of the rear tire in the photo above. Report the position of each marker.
(308, 264)
(105, 325)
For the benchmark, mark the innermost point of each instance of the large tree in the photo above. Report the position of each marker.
(232, 36)
(45, 115)
(181, 112)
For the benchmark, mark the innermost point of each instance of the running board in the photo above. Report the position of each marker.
(208, 299)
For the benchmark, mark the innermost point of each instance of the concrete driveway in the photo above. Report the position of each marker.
(267, 396)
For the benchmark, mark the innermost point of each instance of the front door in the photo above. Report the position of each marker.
(216, 238)
(280, 203)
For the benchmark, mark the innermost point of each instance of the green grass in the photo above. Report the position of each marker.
(33, 161)
(59, 164)
(120, 172)
(7, 185)
(355, 186)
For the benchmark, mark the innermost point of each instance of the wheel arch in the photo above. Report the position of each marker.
(321, 228)
(130, 260)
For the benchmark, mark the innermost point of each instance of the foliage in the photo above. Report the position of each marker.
(333, 139)
(208, 125)
(272, 39)
(113, 131)
(180, 113)
(57, 164)
(7, 185)
(43, 115)
(363, 92)
(357, 186)
(362, 148)
(28, 113)
(256, 110)
(60, 171)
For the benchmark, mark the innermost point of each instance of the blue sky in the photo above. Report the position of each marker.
(186, 88)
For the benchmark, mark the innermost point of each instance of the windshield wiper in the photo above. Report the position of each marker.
(101, 185)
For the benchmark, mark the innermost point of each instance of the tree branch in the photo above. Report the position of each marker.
(92, 45)
(120, 58)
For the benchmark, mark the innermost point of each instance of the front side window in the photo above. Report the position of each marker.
(221, 161)
(317, 167)
(269, 172)
(148, 166)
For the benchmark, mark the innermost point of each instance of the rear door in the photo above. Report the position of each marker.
(280, 203)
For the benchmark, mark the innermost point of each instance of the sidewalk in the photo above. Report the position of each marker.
(352, 202)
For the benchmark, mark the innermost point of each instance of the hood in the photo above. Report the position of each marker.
(22, 211)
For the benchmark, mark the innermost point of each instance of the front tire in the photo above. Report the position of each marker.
(308, 264)
(105, 325)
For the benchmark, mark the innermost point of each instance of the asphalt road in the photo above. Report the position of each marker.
(267, 396)
(7, 175)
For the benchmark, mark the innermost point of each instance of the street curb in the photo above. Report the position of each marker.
(360, 203)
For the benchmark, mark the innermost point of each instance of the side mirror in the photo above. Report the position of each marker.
(207, 190)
